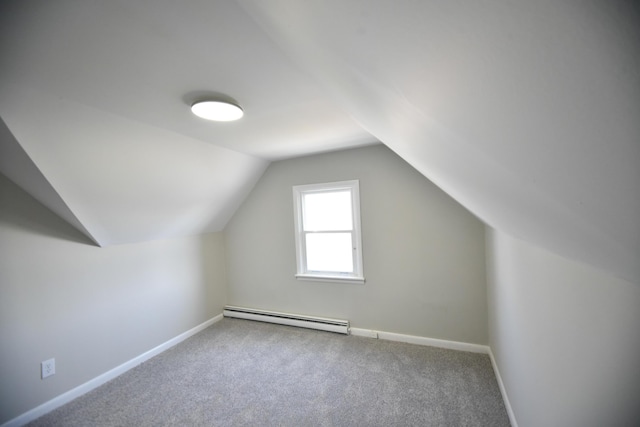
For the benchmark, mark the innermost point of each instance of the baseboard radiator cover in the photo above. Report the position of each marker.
(311, 322)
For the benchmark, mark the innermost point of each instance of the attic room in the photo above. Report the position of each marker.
(496, 145)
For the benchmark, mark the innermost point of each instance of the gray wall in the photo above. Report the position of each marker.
(565, 337)
(423, 253)
(90, 308)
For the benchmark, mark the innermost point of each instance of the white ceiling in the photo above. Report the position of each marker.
(524, 112)
(98, 93)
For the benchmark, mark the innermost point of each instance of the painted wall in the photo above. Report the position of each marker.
(423, 253)
(90, 308)
(565, 337)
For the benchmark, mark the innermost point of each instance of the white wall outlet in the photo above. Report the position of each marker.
(48, 368)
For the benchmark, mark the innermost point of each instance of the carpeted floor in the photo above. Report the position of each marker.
(245, 373)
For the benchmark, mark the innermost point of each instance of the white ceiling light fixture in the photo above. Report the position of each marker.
(218, 111)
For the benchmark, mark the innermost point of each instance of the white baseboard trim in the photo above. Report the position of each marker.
(74, 393)
(503, 391)
(412, 339)
(363, 332)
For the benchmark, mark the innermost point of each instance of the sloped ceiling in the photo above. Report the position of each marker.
(97, 95)
(525, 112)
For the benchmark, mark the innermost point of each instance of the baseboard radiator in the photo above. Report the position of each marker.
(311, 322)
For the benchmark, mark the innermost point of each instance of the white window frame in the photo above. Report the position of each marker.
(356, 237)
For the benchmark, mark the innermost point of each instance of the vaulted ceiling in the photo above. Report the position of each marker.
(527, 113)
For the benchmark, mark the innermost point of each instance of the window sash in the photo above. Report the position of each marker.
(312, 220)
(352, 250)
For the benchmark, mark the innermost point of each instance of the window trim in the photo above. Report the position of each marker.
(301, 273)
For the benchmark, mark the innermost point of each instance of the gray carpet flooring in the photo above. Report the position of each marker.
(245, 373)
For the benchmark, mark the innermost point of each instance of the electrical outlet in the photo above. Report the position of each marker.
(48, 368)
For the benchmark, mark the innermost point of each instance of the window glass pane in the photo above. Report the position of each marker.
(327, 211)
(329, 252)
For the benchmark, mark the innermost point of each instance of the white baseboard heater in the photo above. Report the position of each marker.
(320, 323)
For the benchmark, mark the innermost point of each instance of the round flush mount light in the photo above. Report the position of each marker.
(219, 111)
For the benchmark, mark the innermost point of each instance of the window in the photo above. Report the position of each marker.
(327, 227)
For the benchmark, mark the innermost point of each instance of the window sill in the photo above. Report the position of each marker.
(336, 279)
